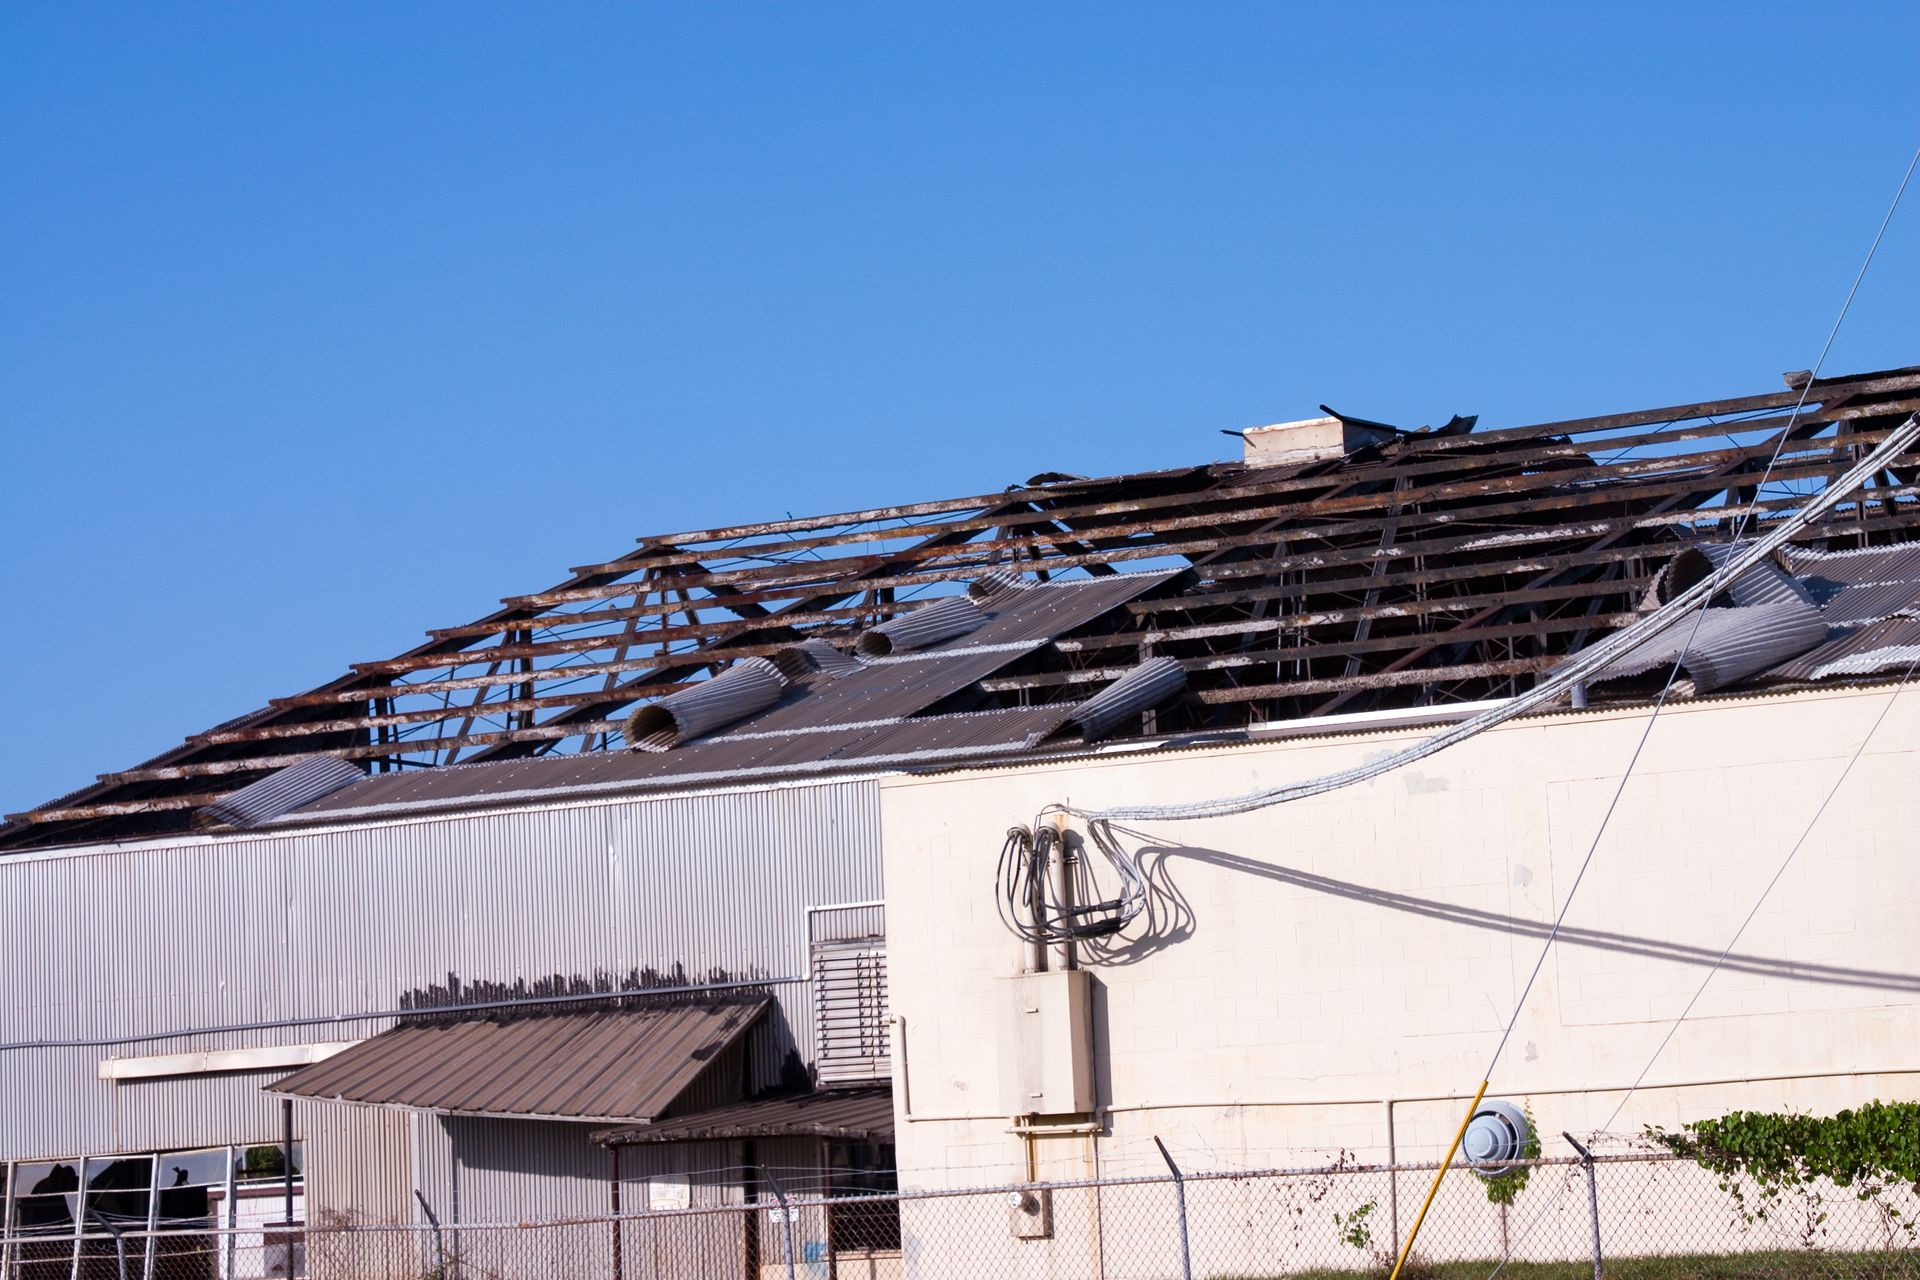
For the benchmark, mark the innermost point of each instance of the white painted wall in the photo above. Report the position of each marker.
(1355, 948)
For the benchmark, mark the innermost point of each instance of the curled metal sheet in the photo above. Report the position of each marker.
(1762, 584)
(814, 657)
(1724, 645)
(997, 583)
(1887, 645)
(281, 791)
(1146, 686)
(942, 620)
(744, 688)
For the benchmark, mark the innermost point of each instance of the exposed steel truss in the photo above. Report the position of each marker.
(1441, 566)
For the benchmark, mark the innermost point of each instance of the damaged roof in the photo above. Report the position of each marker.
(1418, 568)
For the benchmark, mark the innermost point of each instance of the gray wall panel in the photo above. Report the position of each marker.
(199, 933)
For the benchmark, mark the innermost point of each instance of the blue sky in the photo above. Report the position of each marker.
(323, 325)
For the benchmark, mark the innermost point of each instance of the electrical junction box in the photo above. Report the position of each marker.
(1046, 1044)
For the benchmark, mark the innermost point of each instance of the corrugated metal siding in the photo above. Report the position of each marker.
(359, 1162)
(258, 927)
(196, 1111)
(509, 1170)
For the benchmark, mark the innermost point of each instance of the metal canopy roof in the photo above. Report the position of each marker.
(1432, 567)
(608, 1065)
(860, 1114)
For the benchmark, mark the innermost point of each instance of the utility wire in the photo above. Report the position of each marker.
(1721, 960)
(1772, 884)
(1785, 432)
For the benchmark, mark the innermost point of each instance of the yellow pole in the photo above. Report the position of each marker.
(1434, 1190)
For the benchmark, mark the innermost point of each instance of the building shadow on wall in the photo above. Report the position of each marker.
(1170, 919)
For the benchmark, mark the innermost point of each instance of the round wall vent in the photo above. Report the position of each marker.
(1496, 1136)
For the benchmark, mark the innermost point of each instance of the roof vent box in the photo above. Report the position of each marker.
(1309, 440)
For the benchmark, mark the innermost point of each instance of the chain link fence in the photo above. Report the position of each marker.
(1633, 1215)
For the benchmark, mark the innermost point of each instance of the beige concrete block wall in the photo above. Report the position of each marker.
(1337, 953)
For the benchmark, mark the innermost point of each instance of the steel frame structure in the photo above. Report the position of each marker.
(1443, 565)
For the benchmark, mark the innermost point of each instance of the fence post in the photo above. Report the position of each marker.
(1180, 1198)
(439, 1245)
(1593, 1200)
(786, 1216)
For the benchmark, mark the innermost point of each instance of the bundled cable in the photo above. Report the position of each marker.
(1043, 908)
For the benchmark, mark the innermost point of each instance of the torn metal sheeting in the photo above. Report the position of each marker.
(1891, 644)
(742, 689)
(1438, 567)
(1762, 584)
(930, 624)
(1724, 645)
(279, 792)
(1138, 691)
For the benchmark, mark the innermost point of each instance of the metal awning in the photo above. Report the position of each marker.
(610, 1065)
(861, 1114)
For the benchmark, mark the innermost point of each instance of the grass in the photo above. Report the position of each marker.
(1770, 1265)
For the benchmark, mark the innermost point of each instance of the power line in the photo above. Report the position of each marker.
(1786, 431)
(1773, 883)
(1673, 674)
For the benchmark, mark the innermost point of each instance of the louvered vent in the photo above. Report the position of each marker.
(850, 1010)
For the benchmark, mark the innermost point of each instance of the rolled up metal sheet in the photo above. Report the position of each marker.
(942, 620)
(281, 791)
(751, 685)
(1146, 686)
(996, 583)
(814, 657)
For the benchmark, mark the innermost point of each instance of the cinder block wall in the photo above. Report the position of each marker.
(1334, 955)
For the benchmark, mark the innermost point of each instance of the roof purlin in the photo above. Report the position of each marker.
(1301, 589)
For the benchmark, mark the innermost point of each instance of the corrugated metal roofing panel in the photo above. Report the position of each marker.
(750, 685)
(281, 791)
(928, 625)
(857, 716)
(1018, 621)
(1869, 564)
(1887, 645)
(710, 762)
(865, 1114)
(1725, 645)
(1762, 584)
(1869, 602)
(612, 1064)
(1146, 686)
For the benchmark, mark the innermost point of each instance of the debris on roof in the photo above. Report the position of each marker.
(1723, 646)
(750, 685)
(281, 791)
(1417, 569)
